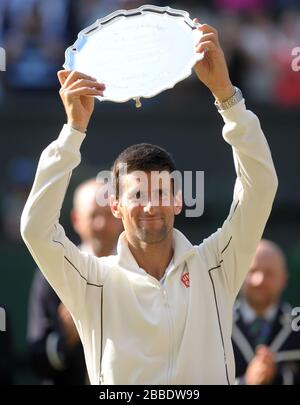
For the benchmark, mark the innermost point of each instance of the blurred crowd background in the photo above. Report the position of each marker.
(258, 37)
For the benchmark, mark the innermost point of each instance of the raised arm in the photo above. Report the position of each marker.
(77, 93)
(229, 251)
(66, 268)
(212, 71)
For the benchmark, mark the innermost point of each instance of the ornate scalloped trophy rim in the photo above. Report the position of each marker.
(100, 23)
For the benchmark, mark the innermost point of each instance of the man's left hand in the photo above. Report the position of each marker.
(212, 70)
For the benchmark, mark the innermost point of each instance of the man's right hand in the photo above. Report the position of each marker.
(262, 369)
(77, 93)
(65, 318)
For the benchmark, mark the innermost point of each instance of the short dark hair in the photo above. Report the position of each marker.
(145, 157)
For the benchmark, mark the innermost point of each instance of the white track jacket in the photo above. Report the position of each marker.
(133, 329)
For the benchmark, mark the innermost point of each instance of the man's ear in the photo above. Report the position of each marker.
(115, 207)
(178, 203)
(73, 218)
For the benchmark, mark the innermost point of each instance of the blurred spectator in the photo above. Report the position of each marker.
(229, 34)
(35, 35)
(3, 4)
(97, 227)
(90, 10)
(54, 343)
(294, 272)
(19, 179)
(242, 5)
(257, 37)
(286, 4)
(3, 7)
(267, 350)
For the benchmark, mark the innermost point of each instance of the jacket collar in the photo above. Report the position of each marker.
(182, 250)
(249, 315)
(282, 313)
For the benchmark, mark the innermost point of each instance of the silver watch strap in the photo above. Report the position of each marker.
(236, 98)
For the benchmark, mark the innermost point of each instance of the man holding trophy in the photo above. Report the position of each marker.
(160, 311)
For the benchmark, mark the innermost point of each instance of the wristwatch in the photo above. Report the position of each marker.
(236, 98)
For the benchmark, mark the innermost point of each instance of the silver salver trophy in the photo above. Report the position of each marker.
(137, 53)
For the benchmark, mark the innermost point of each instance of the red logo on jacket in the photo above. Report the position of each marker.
(185, 278)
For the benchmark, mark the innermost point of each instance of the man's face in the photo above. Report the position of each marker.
(93, 222)
(147, 207)
(97, 223)
(266, 279)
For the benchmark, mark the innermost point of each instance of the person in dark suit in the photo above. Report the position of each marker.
(265, 340)
(55, 349)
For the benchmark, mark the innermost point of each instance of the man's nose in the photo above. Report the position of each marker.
(148, 207)
(256, 278)
(99, 223)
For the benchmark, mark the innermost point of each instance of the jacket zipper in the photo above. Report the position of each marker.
(169, 319)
